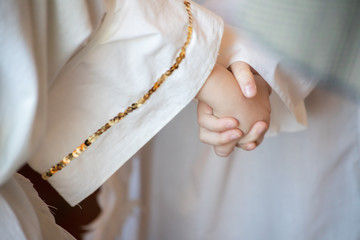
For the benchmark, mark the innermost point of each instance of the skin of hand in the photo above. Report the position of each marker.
(224, 113)
(244, 74)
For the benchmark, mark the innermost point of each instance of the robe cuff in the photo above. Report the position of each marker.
(135, 46)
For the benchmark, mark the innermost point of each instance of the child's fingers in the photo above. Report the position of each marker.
(225, 150)
(252, 145)
(219, 138)
(207, 120)
(245, 78)
(259, 141)
(247, 146)
(255, 134)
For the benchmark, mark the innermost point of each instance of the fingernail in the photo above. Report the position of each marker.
(250, 90)
(260, 130)
(230, 125)
(250, 146)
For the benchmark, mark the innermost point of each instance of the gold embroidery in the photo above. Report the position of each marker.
(76, 153)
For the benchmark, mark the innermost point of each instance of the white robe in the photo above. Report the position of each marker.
(68, 67)
(296, 186)
(302, 185)
(24, 215)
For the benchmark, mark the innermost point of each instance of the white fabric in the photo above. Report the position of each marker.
(23, 215)
(36, 41)
(302, 185)
(119, 202)
(113, 71)
(296, 186)
(136, 42)
(68, 67)
(34, 46)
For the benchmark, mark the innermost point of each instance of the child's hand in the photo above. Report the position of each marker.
(244, 74)
(221, 96)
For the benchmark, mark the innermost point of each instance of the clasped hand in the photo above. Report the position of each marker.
(233, 109)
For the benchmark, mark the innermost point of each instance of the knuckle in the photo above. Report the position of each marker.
(223, 140)
(201, 120)
(218, 142)
(202, 137)
(206, 137)
(243, 74)
(203, 140)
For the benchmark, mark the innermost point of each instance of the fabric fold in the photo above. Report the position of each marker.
(117, 71)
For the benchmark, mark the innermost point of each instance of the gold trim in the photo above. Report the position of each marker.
(77, 152)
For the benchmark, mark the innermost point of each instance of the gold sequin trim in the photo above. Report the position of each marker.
(76, 153)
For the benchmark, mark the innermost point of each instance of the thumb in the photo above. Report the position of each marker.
(244, 76)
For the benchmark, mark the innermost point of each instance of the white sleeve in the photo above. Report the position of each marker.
(17, 93)
(289, 88)
(134, 45)
(35, 42)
